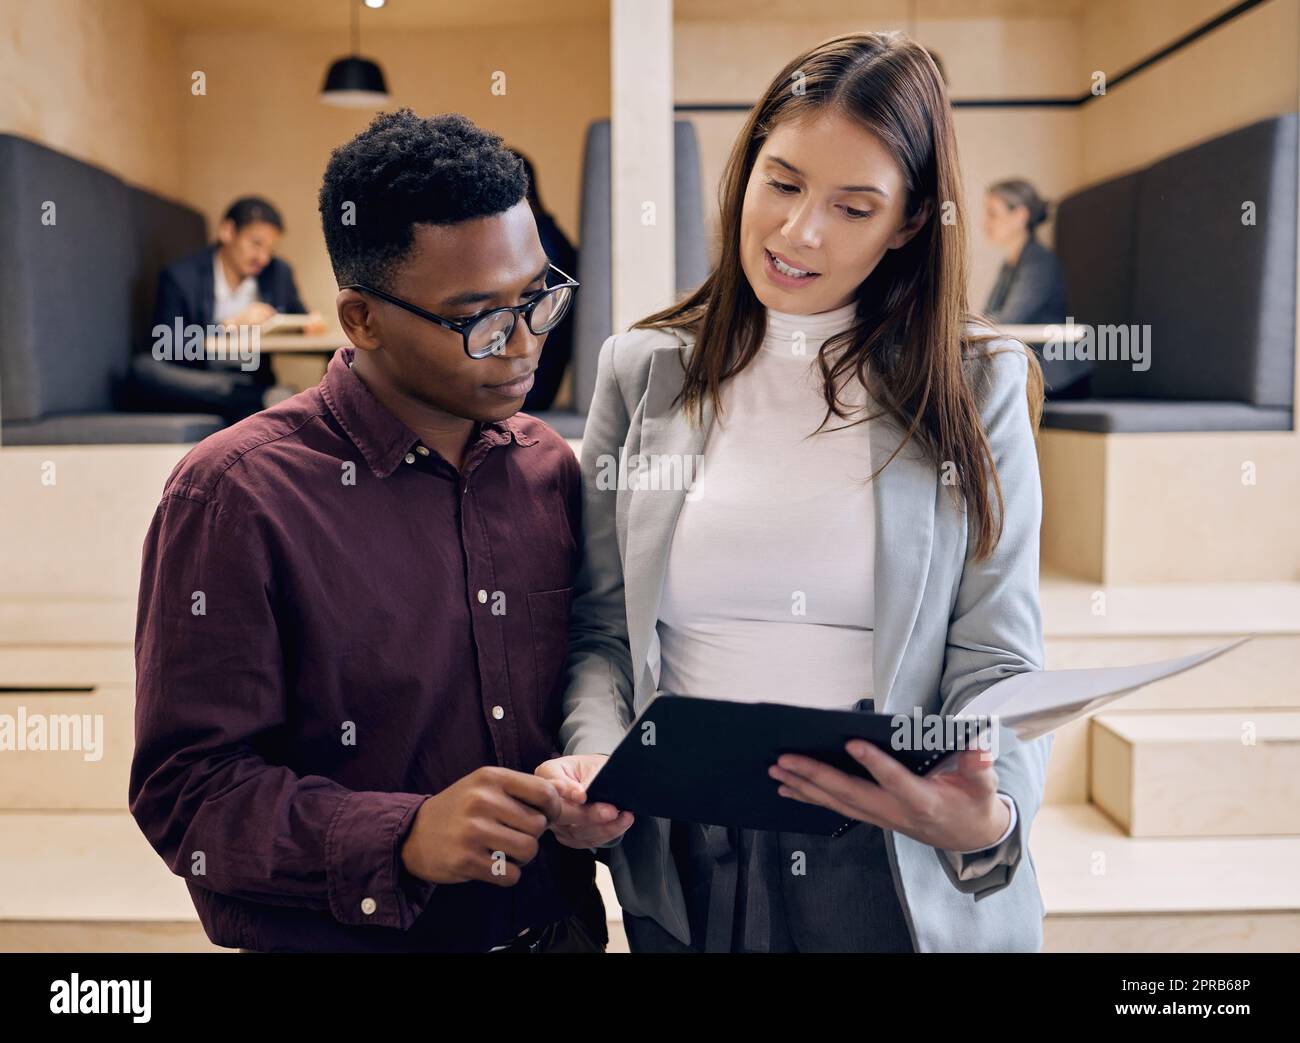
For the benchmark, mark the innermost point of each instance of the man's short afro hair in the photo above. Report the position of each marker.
(402, 171)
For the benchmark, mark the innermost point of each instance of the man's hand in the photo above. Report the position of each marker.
(482, 827)
(957, 811)
(580, 824)
(315, 324)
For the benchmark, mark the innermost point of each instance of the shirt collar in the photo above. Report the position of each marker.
(382, 439)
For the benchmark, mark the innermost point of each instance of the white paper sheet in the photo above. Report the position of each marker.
(1035, 703)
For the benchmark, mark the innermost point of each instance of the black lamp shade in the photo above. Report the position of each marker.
(355, 82)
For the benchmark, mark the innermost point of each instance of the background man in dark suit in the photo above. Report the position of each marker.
(237, 281)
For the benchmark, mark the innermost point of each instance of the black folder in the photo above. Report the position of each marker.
(708, 761)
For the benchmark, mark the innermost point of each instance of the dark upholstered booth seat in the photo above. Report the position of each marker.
(593, 319)
(77, 294)
(1120, 416)
(120, 428)
(1167, 247)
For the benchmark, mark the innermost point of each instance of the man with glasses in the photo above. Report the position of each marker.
(354, 605)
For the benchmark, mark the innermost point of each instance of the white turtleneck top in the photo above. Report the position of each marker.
(768, 594)
(769, 590)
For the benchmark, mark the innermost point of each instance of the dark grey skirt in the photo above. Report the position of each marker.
(758, 891)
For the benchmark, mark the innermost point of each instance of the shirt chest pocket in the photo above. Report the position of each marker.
(548, 615)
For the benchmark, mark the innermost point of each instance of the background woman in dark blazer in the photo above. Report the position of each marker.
(1030, 288)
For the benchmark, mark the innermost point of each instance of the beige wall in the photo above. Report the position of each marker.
(109, 82)
(1241, 72)
(96, 79)
(262, 128)
(718, 61)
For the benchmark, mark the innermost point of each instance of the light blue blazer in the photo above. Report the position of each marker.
(947, 627)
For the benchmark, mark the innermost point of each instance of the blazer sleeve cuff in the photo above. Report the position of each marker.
(990, 869)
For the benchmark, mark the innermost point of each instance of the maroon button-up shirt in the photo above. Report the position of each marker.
(333, 625)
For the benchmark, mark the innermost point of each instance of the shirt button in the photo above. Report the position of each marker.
(423, 451)
(498, 713)
(410, 458)
(482, 597)
(368, 906)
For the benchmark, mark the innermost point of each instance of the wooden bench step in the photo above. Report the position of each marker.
(1198, 774)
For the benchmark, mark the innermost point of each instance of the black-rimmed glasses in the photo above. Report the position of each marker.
(488, 333)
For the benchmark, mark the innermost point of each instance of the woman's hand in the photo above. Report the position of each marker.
(957, 811)
(581, 825)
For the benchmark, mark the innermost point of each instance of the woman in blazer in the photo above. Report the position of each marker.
(856, 515)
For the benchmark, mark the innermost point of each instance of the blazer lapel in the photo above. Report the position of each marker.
(670, 445)
(904, 498)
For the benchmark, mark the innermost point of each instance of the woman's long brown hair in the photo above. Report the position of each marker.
(909, 341)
